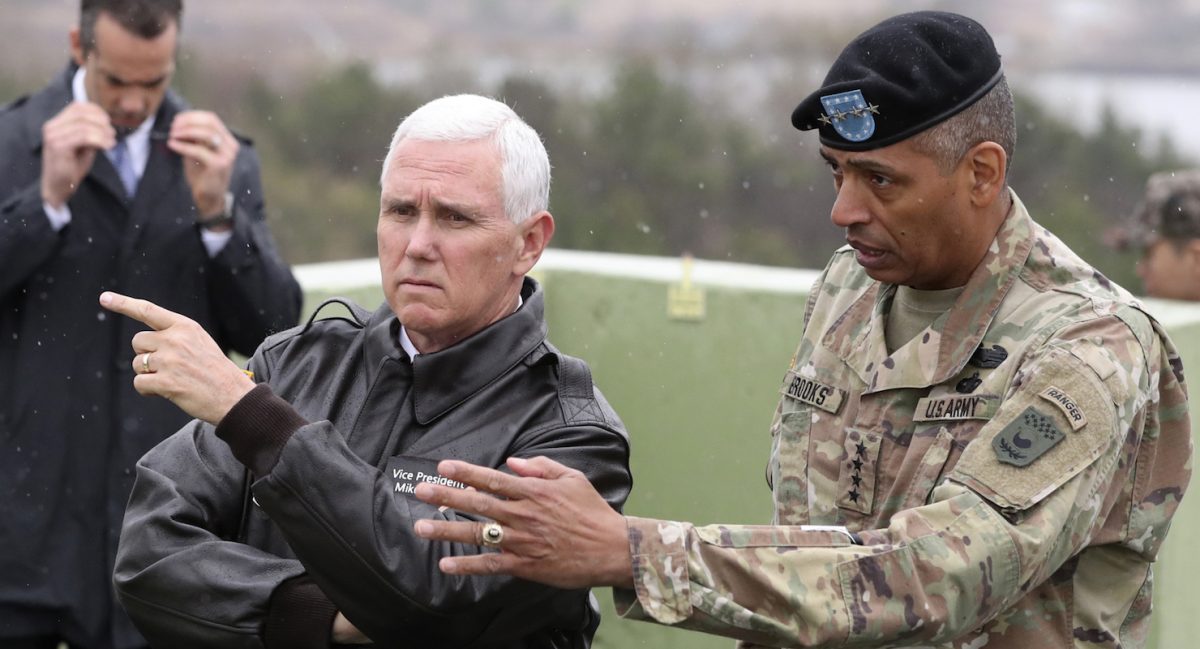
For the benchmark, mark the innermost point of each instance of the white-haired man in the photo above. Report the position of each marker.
(282, 516)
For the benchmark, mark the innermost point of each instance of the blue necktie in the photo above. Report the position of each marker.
(124, 165)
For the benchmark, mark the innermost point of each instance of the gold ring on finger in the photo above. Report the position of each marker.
(146, 363)
(491, 535)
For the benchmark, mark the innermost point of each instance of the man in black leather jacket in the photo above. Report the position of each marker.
(282, 516)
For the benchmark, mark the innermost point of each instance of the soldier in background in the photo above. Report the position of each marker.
(1166, 227)
(981, 441)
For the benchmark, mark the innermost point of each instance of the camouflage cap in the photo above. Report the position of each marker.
(1170, 209)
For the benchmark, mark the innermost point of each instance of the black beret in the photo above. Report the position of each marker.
(899, 78)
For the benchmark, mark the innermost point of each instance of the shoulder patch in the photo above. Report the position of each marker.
(1031, 448)
(1067, 405)
(1026, 438)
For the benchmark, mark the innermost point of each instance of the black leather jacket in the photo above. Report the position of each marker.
(199, 567)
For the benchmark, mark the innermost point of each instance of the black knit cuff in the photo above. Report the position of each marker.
(299, 616)
(257, 427)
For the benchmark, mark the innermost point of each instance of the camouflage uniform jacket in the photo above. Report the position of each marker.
(1006, 478)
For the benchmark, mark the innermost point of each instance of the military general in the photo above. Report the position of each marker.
(980, 441)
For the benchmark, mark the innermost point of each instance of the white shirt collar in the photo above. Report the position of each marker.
(137, 142)
(409, 348)
(407, 344)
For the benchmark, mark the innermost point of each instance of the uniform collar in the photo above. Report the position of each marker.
(444, 379)
(942, 349)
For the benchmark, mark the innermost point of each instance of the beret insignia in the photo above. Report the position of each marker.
(850, 115)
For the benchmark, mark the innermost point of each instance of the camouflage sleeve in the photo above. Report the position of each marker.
(992, 531)
(785, 586)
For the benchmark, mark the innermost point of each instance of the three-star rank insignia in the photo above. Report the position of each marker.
(1026, 438)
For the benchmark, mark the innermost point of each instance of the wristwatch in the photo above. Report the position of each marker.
(221, 220)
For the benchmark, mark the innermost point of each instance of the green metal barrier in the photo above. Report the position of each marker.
(697, 397)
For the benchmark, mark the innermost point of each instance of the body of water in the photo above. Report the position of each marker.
(1159, 106)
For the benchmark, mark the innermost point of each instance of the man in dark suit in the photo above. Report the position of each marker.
(108, 181)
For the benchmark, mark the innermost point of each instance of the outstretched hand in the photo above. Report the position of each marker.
(178, 360)
(557, 529)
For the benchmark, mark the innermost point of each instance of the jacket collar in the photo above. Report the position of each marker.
(158, 177)
(47, 104)
(943, 349)
(444, 379)
(162, 169)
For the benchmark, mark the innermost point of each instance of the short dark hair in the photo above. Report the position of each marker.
(991, 119)
(144, 18)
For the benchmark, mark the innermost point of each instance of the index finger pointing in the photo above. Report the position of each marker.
(143, 311)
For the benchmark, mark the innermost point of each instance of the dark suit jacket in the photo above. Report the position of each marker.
(71, 425)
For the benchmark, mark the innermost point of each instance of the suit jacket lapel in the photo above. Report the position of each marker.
(162, 173)
(105, 175)
(48, 104)
(57, 98)
(163, 169)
